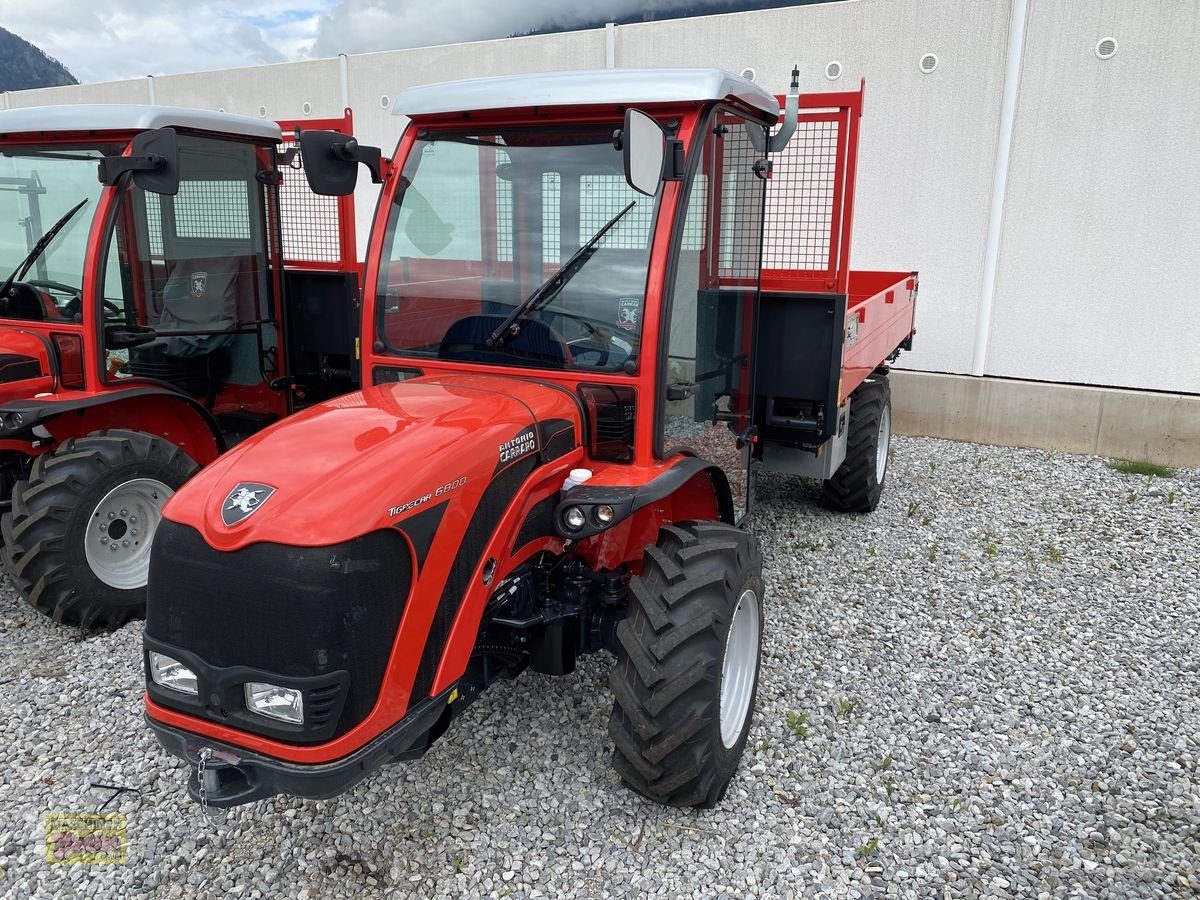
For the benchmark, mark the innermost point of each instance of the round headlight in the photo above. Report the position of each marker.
(605, 514)
(574, 518)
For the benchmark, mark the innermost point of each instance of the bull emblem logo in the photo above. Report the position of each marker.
(199, 284)
(244, 500)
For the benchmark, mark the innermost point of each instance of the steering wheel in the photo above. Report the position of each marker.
(599, 340)
(70, 308)
(58, 287)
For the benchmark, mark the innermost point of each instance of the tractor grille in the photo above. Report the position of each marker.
(303, 613)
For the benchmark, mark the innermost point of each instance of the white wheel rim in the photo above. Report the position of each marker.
(881, 444)
(739, 668)
(120, 530)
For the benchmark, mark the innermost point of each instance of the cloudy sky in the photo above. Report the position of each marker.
(117, 39)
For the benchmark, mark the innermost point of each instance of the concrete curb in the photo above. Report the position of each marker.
(1142, 425)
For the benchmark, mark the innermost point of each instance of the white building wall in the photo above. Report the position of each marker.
(1099, 278)
(1101, 236)
(925, 160)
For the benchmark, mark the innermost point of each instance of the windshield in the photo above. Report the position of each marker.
(38, 188)
(484, 220)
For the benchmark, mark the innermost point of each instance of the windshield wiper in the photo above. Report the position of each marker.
(509, 328)
(43, 242)
(47, 154)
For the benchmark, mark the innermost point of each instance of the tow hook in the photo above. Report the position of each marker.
(208, 779)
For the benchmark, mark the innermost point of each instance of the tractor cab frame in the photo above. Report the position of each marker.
(595, 304)
(171, 286)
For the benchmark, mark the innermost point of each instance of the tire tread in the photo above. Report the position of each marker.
(35, 530)
(670, 649)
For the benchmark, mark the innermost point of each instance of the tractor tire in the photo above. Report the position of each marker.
(857, 484)
(687, 664)
(77, 540)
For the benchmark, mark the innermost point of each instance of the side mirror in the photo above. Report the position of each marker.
(331, 162)
(153, 160)
(644, 150)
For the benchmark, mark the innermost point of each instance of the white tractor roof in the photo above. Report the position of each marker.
(626, 87)
(131, 117)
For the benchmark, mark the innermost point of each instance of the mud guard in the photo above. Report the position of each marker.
(145, 408)
(626, 501)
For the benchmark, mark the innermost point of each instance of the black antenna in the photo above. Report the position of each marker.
(795, 89)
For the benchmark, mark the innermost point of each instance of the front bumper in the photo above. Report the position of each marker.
(238, 776)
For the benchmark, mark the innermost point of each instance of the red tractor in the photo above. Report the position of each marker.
(595, 303)
(147, 323)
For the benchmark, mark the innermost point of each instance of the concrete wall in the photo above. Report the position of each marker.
(1098, 280)
(1140, 425)
(1100, 239)
(924, 167)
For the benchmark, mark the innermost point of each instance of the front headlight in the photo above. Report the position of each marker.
(171, 673)
(274, 702)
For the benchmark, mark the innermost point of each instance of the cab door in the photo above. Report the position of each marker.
(712, 304)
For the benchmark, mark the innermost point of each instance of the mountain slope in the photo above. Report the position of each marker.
(24, 66)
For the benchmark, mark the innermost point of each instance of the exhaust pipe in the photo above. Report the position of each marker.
(791, 110)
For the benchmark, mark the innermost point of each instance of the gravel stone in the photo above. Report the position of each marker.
(999, 671)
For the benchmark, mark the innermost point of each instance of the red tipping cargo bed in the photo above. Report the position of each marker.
(824, 328)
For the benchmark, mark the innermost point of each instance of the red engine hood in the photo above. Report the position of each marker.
(372, 458)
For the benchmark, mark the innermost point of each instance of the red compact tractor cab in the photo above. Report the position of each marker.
(596, 302)
(169, 286)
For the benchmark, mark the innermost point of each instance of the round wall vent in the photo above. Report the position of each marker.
(384, 102)
(306, 108)
(748, 74)
(929, 63)
(1106, 48)
(833, 70)
(220, 109)
(262, 112)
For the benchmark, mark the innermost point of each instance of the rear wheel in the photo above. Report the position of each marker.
(858, 483)
(687, 664)
(77, 540)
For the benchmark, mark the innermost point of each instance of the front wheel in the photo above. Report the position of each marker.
(687, 664)
(77, 541)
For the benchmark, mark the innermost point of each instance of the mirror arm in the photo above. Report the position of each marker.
(371, 157)
(113, 167)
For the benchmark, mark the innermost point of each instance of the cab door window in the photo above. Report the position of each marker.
(708, 391)
(191, 267)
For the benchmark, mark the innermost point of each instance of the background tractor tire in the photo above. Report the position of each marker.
(687, 664)
(77, 541)
(858, 482)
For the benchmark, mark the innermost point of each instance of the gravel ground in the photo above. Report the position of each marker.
(988, 687)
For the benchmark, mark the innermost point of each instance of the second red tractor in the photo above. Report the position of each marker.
(169, 287)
